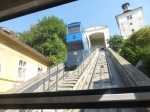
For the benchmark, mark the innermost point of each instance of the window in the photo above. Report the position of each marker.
(132, 30)
(40, 70)
(74, 29)
(129, 17)
(74, 46)
(21, 70)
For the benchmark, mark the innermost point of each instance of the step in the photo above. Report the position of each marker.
(75, 75)
(71, 76)
(66, 78)
(64, 89)
(68, 82)
(66, 85)
(71, 80)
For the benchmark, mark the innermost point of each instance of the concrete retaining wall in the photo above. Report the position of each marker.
(131, 75)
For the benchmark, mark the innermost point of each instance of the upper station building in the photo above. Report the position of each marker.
(130, 20)
(98, 35)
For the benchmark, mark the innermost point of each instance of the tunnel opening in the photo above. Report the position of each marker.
(97, 40)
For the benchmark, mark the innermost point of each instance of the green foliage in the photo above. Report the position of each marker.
(133, 53)
(145, 68)
(47, 37)
(137, 47)
(115, 42)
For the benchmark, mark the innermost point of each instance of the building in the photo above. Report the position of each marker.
(18, 62)
(130, 20)
(98, 35)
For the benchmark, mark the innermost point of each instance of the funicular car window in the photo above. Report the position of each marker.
(75, 46)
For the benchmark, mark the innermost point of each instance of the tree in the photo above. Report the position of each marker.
(47, 37)
(145, 68)
(137, 47)
(115, 42)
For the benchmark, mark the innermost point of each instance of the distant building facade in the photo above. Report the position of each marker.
(130, 20)
(18, 62)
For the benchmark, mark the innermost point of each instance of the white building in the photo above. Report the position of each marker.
(98, 35)
(130, 20)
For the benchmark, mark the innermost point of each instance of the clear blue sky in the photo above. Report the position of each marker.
(89, 12)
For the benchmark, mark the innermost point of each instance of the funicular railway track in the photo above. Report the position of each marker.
(98, 77)
(103, 78)
(93, 73)
(69, 80)
(75, 80)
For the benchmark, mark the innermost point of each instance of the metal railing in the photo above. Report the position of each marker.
(48, 81)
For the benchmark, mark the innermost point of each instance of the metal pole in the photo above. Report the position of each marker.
(57, 77)
(57, 80)
(83, 65)
(83, 59)
(43, 85)
(49, 79)
(43, 91)
(78, 70)
(63, 74)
